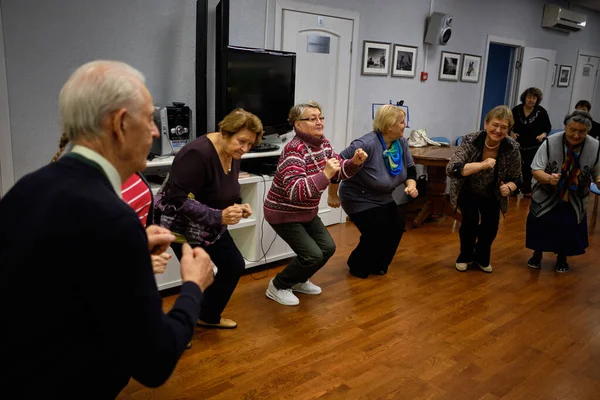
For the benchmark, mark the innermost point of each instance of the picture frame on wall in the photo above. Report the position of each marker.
(471, 67)
(564, 76)
(554, 75)
(376, 58)
(405, 61)
(449, 66)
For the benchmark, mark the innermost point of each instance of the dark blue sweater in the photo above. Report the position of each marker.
(81, 310)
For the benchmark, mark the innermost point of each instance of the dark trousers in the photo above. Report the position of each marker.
(478, 229)
(527, 156)
(381, 229)
(313, 246)
(230, 263)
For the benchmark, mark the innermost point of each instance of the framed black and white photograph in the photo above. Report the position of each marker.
(554, 75)
(405, 61)
(564, 76)
(449, 66)
(376, 58)
(471, 65)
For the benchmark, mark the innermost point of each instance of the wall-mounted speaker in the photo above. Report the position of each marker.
(439, 29)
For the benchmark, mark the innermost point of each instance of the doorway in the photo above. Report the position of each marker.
(528, 67)
(324, 41)
(585, 82)
(501, 62)
(498, 79)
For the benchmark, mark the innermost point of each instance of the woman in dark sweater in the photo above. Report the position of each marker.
(199, 200)
(532, 125)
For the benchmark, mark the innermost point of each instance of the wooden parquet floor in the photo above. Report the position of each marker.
(423, 331)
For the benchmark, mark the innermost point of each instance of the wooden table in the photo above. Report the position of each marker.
(435, 159)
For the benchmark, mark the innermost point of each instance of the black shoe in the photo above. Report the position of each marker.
(534, 263)
(357, 274)
(382, 272)
(562, 267)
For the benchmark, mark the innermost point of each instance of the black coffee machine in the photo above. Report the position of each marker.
(175, 126)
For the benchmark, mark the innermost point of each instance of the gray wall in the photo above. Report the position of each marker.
(444, 108)
(45, 40)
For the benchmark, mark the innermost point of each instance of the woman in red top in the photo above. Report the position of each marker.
(135, 192)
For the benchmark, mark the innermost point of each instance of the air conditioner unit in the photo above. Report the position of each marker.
(562, 19)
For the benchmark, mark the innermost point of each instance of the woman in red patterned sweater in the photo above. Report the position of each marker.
(307, 165)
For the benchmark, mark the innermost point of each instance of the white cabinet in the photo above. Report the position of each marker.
(253, 236)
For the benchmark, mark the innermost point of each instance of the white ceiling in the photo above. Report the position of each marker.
(591, 4)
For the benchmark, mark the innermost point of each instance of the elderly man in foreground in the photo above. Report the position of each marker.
(82, 313)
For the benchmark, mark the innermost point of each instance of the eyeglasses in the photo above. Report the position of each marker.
(503, 128)
(313, 119)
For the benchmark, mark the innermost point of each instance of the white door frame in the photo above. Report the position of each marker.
(7, 177)
(499, 40)
(580, 53)
(291, 5)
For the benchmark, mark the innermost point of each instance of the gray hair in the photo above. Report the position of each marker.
(580, 117)
(93, 91)
(297, 110)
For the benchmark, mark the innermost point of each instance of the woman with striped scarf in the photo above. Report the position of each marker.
(563, 169)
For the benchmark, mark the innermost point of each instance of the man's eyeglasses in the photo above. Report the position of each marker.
(313, 119)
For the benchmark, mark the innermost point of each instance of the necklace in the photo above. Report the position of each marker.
(491, 147)
(312, 157)
(221, 157)
(223, 162)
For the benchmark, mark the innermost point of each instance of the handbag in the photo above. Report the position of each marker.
(418, 138)
(422, 185)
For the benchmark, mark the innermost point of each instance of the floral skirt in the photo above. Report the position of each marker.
(557, 231)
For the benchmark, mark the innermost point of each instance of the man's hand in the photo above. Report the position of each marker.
(159, 239)
(331, 168)
(196, 267)
(159, 262)
(360, 157)
(232, 214)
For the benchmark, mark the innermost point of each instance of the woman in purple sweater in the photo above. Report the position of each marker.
(200, 199)
(306, 167)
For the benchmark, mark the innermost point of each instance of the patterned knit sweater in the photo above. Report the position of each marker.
(299, 180)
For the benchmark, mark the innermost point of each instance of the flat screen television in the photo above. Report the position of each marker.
(259, 81)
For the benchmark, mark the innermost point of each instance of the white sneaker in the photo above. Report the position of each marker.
(486, 269)
(307, 288)
(282, 296)
(462, 266)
